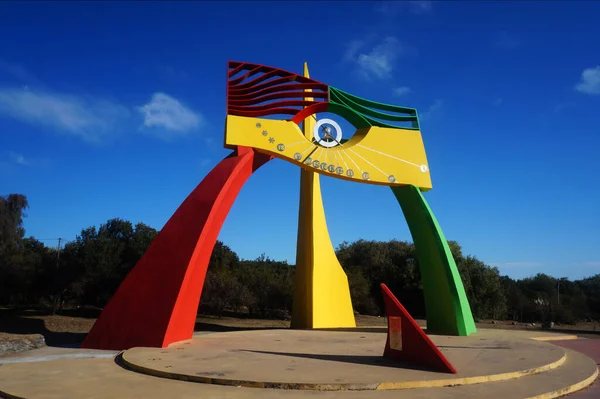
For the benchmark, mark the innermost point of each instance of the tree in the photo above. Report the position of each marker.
(269, 286)
(483, 287)
(222, 290)
(12, 212)
(517, 302)
(393, 263)
(100, 259)
(590, 287)
(360, 292)
(91, 267)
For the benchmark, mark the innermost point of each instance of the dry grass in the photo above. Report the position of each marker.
(65, 329)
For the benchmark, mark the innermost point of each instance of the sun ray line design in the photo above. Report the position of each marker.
(367, 161)
(324, 154)
(388, 155)
(317, 153)
(307, 149)
(355, 164)
(299, 142)
(320, 154)
(309, 154)
(343, 160)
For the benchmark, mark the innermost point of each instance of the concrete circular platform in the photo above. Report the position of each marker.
(334, 360)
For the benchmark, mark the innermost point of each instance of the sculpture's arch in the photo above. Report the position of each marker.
(158, 301)
(321, 291)
(446, 305)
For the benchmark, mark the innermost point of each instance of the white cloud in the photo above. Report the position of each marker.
(379, 61)
(18, 159)
(88, 118)
(558, 108)
(11, 159)
(415, 7)
(84, 117)
(401, 91)
(352, 49)
(590, 81)
(18, 72)
(164, 111)
(433, 108)
(592, 264)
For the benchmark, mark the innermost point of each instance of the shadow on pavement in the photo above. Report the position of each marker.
(374, 360)
(17, 322)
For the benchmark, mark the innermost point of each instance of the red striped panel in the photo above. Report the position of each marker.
(257, 90)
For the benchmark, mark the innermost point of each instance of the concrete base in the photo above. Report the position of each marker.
(333, 361)
(284, 363)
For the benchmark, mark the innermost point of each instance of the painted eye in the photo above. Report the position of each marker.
(327, 133)
(331, 131)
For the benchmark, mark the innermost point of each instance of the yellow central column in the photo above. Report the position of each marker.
(321, 292)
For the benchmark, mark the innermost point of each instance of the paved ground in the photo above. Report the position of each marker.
(331, 359)
(50, 373)
(591, 348)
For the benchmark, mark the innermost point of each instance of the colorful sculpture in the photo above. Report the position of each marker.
(321, 291)
(157, 303)
(406, 341)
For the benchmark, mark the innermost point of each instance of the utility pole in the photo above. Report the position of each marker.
(58, 251)
(57, 298)
(558, 288)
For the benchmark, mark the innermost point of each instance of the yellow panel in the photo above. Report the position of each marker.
(375, 155)
(321, 291)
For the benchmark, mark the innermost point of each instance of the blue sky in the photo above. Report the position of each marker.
(117, 109)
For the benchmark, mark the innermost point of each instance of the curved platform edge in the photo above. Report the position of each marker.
(555, 338)
(433, 383)
(557, 393)
(81, 377)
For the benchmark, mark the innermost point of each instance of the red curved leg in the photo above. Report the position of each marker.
(158, 301)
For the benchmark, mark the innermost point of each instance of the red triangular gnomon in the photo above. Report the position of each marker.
(406, 340)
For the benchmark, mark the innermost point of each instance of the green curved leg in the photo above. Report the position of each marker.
(446, 304)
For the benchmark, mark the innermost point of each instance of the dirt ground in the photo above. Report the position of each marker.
(71, 328)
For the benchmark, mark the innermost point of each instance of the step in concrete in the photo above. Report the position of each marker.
(95, 378)
(333, 360)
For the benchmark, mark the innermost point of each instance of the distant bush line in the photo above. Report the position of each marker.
(88, 270)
